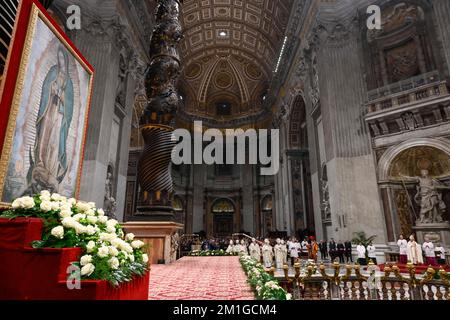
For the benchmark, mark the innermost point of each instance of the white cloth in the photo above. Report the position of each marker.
(305, 246)
(441, 253)
(279, 256)
(402, 246)
(428, 248)
(285, 252)
(414, 252)
(371, 251)
(230, 248)
(267, 251)
(361, 251)
(255, 251)
(294, 248)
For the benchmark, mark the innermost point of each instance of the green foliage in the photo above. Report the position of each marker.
(266, 287)
(209, 253)
(361, 238)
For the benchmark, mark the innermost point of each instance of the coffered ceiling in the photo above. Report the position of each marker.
(230, 51)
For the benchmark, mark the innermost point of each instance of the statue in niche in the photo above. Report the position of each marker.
(120, 91)
(408, 120)
(110, 201)
(326, 210)
(429, 197)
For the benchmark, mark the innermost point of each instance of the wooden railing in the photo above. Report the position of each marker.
(390, 284)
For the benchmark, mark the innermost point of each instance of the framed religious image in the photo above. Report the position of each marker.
(45, 133)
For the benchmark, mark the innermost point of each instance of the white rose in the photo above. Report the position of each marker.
(102, 219)
(69, 222)
(90, 246)
(111, 222)
(79, 216)
(45, 193)
(85, 259)
(46, 206)
(90, 230)
(90, 212)
(55, 206)
(16, 204)
(28, 202)
(129, 237)
(111, 229)
(58, 232)
(55, 197)
(127, 248)
(117, 242)
(91, 204)
(288, 296)
(82, 206)
(80, 229)
(137, 244)
(131, 257)
(145, 258)
(92, 219)
(113, 251)
(87, 269)
(114, 263)
(101, 213)
(120, 233)
(107, 236)
(65, 213)
(103, 252)
(71, 201)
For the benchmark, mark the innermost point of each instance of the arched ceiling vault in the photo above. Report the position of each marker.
(231, 47)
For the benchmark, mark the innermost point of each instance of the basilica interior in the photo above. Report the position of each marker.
(363, 116)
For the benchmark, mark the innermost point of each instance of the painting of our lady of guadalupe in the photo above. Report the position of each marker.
(48, 121)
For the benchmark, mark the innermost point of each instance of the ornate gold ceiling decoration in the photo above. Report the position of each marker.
(230, 49)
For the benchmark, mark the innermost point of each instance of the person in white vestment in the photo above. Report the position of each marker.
(230, 248)
(244, 249)
(403, 250)
(304, 247)
(440, 253)
(430, 255)
(255, 250)
(372, 253)
(267, 252)
(278, 254)
(237, 248)
(361, 250)
(285, 252)
(414, 251)
(294, 248)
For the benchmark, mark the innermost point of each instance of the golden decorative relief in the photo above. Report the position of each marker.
(223, 206)
(411, 161)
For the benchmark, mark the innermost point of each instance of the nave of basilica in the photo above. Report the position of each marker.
(354, 118)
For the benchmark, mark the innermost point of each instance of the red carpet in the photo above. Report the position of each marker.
(200, 278)
(420, 269)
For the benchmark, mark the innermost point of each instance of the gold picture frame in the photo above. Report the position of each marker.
(73, 62)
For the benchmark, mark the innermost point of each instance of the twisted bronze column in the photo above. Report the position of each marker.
(154, 165)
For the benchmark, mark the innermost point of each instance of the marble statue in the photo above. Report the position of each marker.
(429, 197)
(255, 250)
(267, 252)
(110, 202)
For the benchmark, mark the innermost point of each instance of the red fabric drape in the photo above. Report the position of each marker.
(27, 273)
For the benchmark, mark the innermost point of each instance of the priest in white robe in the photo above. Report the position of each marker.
(430, 255)
(255, 250)
(267, 252)
(244, 250)
(230, 249)
(279, 255)
(403, 250)
(414, 251)
(285, 252)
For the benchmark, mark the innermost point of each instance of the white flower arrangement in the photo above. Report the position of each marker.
(108, 253)
(265, 286)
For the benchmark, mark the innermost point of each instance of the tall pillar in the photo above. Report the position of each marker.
(153, 168)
